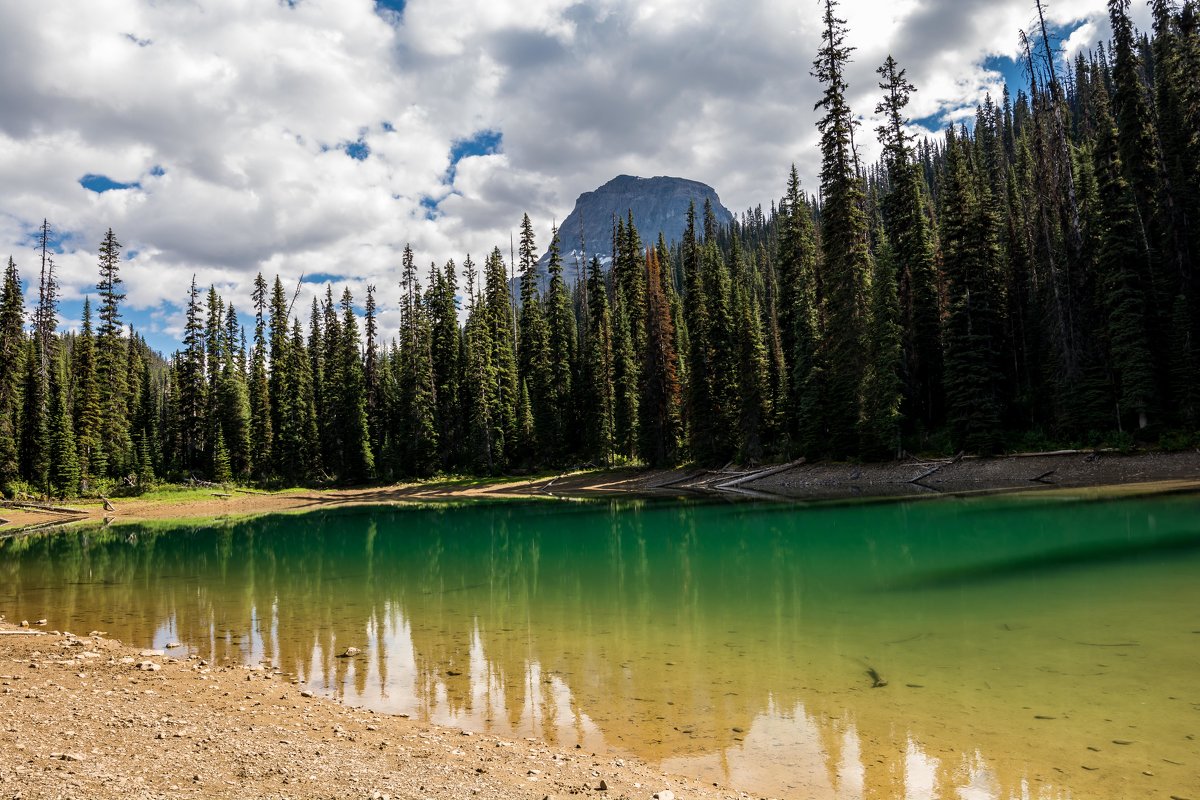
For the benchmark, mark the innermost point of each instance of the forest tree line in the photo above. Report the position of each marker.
(1026, 280)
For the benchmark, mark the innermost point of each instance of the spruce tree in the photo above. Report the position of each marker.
(598, 392)
(191, 393)
(110, 361)
(12, 363)
(562, 337)
(844, 242)
(533, 350)
(279, 378)
(87, 415)
(418, 393)
(446, 353)
(910, 242)
(660, 391)
(501, 338)
(1124, 285)
(357, 459)
(261, 435)
(64, 459)
(234, 407)
(969, 257)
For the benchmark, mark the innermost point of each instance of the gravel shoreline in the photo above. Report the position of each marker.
(89, 717)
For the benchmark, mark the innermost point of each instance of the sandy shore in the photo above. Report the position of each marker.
(88, 717)
(1141, 473)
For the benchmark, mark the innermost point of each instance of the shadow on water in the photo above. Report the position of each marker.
(1054, 561)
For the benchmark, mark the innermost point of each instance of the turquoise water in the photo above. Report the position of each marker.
(1029, 647)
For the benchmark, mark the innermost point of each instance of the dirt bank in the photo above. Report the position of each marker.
(820, 481)
(1069, 470)
(86, 717)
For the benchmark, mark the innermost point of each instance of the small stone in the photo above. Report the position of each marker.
(1122, 741)
(306, 693)
(534, 772)
(603, 787)
(665, 794)
(350, 652)
(24, 623)
(151, 653)
(173, 645)
(149, 666)
(40, 622)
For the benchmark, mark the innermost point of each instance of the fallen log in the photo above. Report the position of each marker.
(1043, 477)
(762, 473)
(108, 506)
(42, 507)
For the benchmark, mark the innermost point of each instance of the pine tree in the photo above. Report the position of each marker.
(501, 338)
(480, 386)
(35, 438)
(234, 407)
(12, 364)
(660, 392)
(418, 393)
(969, 257)
(1124, 286)
(357, 459)
(191, 394)
(87, 416)
(446, 353)
(371, 376)
(598, 393)
(110, 361)
(882, 387)
(844, 241)
(279, 378)
(533, 346)
(261, 435)
(753, 410)
(64, 469)
(698, 401)
(562, 337)
(798, 300)
(910, 241)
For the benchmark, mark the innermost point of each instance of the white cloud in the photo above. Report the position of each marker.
(246, 107)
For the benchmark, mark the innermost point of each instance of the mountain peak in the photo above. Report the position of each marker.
(658, 205)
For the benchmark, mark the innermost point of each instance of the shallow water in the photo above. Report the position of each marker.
(1031, 647)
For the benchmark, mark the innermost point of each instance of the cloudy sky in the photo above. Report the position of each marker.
(219, 138)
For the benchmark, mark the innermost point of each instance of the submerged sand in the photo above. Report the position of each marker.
(89, 717)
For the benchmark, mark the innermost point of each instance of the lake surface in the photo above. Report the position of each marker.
(1032, 647)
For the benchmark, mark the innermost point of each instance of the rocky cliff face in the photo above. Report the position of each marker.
(658, 205)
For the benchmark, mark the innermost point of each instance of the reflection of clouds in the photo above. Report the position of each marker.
(728, 642)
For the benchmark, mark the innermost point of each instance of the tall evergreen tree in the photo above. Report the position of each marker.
(191, 391)
(660, 398)
(12, 363)
(261, 435)
(910, 242)
(110, 360)
(561, 357)
(847, 259)
(64, 460)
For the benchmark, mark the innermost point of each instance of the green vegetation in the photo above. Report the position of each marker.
(1028, 281)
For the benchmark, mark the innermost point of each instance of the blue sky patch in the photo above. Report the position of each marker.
(394, 6)
(480, 143)
(102, 183)
(431, 207)
(357, 150)
(322, 278)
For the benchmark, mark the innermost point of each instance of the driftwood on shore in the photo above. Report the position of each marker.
(762, 473)
(42, 507)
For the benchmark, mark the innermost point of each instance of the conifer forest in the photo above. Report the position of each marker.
(1025, 280)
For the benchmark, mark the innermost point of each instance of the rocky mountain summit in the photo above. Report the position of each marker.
(658, 204)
